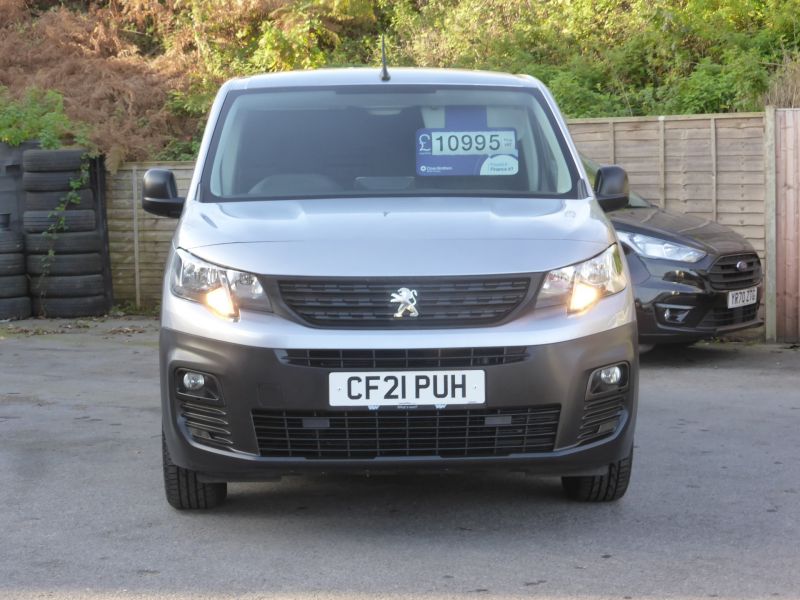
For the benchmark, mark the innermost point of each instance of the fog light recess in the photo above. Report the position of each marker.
(611, 378)
(197, 386)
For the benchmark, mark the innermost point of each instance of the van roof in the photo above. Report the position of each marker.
(371, 76)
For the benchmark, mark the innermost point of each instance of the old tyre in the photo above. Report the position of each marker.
(43, 161)
(67, 286)
(36, 221)
(184, 490)
(10, 242)
(63, 242)
(15, 308)
(608, 487)
(50, 182)
(67, 308)
(52, 200)
(12, 264)
(64, 264)
(13, 286)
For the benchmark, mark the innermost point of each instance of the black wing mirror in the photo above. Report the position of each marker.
(611, 187)
(160, 194)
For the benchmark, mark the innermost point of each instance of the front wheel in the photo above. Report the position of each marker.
(184, 490)
(607, 487)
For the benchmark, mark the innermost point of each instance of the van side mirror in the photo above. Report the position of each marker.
(160, 194)
(611, 187)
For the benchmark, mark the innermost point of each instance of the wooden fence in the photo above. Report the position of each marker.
(720, 167)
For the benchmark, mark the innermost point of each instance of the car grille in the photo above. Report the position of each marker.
(207, 424)
(441, 301)
(724, 274)
(404, 359)
(722, 317)
(371, 434)
(601, 416)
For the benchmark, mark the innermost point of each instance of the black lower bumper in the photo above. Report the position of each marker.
(677, 305)
(217, 437)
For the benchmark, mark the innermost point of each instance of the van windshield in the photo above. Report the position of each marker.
(370, 141)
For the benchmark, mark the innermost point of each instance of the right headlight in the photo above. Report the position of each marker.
(658, 248)
(580, 286)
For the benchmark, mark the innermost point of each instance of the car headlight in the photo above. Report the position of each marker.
(223, 291)
(658, 248)
(579, 287)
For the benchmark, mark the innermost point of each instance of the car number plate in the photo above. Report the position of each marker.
(742, 297)
(406, 388)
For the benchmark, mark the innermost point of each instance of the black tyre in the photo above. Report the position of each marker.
(63, 242)
(37, 221)
(63, 286)
(64, 264)
(10, 242)
(42, 161)
(601, 488)
(50, 182)
(51, 200)
(12, 264)
(67, 308)
(15, 308)
(13, 286)
(184, 490)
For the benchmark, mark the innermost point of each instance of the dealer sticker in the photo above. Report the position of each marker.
(462, 152)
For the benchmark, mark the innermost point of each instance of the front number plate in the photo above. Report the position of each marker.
(742, 297)
(406, 388)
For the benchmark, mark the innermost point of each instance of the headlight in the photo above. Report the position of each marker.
(579, 287)
(223, 291)
(657, 248)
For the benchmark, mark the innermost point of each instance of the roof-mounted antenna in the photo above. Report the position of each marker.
(384, 69)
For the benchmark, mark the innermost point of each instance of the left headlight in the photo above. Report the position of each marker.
(580, 286)
(658, 248)
(223, 291)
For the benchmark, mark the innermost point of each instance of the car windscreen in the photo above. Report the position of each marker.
(374, 141)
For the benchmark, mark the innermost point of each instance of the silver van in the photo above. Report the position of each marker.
(391, 272)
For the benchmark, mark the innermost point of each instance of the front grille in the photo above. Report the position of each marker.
(725, 275)
(723, 317)
(601, 416)
(207, 424)
(440, 301)
(404, 359)
(371, 434)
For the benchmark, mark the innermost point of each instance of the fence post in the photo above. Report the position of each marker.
(714, 168)
(136, 275)
(662, 159)
(770, 229)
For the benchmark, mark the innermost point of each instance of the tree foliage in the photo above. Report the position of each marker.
(599, 57)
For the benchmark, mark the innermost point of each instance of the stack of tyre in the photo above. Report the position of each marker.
(14, 300)
(63, 243)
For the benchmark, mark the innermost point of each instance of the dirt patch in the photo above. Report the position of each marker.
(103, 78)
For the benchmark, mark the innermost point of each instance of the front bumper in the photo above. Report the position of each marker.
(676, 304)
(259, 379)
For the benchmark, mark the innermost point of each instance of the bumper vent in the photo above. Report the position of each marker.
(207, 424)
(601, 417)
(725, 317)
(404, 359)
(724, 274)
(372, 434)
(440, 301)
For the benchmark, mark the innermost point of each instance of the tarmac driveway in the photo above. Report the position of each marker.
(713, 509)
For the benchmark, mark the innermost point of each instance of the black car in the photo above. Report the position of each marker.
(693, 278)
